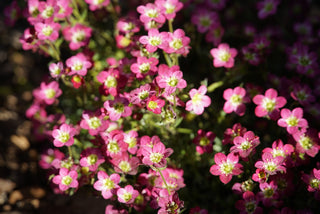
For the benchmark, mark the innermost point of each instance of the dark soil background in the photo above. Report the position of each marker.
(23, 185)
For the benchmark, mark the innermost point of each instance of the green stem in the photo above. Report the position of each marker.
(164, 181)
(76, 9)
(55, 51)
(70, 152)
(167, 58)
(170, 25)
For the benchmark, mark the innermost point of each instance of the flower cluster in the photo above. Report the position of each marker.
(147, 98)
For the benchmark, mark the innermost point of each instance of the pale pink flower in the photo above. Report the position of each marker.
(156, 155)
(149, 13)
(66, 179)
(235, 99)
(271, 164)
(56, 69)
(77, 35)
(131, 138)
(48, 93)
(245, 145)
(169, 7)
(108, 185)
(226, 166)
(63, 136)
(47, 31)
(278, 149)
(154, 40)
(144, 66)
(223, 56)
(93, 122)
(198, 100)
(117, 108)
(97, 4)
(64, 9)
(127, 194)
(91, 158)
(269, 104)
(79, 64)
(307, 142)
(293, 120)
(178, 42)
(124, 164)
(170, 78)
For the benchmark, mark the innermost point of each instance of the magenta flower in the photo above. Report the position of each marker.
(169, 202)
(154, 40)
(64, 9)
(144, 66)
(155, 104)
(127, 194)
(302, 94)
(259, 176)
(47, 31)
(78, 35)
(312, 180)
(269, 194)
(93, 122)
(124, 164)
(204, 19)
(117, 108)
(48, 158)
(245, 145)
(215, 34)
(48, 93)
(293, 120)
(226, 166)
(267, 8)
(108, 185)
(91, 158)
(231, 133)
(95, 5)
(249, 204)
(115, 145)
(307, 142)
(278, 149)
(178, 42)
(139, 96)
(169, 7)
(56, 69)
(223, 56)
(271, 164)
(198, 100)
(111, 81)
(170, 78)
(48, 9)
(64, 135)
(204, 141)
(66, 179)
(235, 99)
(131, 138)
(150, 12)
(268, 104)
(79, 64)
(156, 155)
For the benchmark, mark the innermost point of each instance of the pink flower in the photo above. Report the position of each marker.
(178, 43)
(169, 7)
(198, 100)
(150, 12)
(124, 164)
(269, 104)
(64, 135)
(56, 69)
(204, 19)
(114, 144)
(245, 145)
(131, 138)
(156, 155)
(91, 158)
(95, 5)
(108, 185)
(249, 204)
(48, 9)
(93, 122)
(231, 133)
(47, 158)
(312, 180)
(48, 93)
(293, 120)
(78, 35)
(155, 104)
(278, 149)
(47, 31)
(204, 141)
(235, 99)
(127, 194)
(154, 40)
(146, 141)
(168, 202)
(117, 108)
(128, 25)
(170, 78)
(173, 177)
(66, 179)
(271, 164)
(79, 64)
(139, 96)
(144, 66)
(307, 142)
(267, 8)
(226, 166)
(215, 34)
(269, 194)
(64, 9)
(223, 56)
